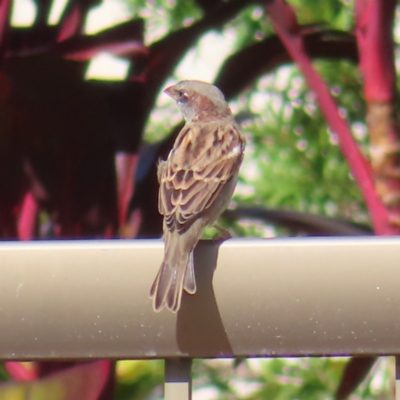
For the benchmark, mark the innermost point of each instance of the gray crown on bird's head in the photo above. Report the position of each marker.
(199, 99)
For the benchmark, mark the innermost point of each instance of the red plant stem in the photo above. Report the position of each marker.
(374, 25)
(284, 22)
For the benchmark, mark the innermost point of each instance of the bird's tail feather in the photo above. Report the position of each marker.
(190, 280)
(175, 274)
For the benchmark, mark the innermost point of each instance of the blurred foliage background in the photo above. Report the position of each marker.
(256, 379)
(294, 168)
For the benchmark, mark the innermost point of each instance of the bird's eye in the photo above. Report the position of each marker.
(182, 96)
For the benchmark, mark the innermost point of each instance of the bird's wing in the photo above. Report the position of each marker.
(205, 156)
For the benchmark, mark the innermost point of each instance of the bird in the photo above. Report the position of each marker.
(197, 181)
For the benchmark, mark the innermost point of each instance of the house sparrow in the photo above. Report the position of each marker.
(196, 184)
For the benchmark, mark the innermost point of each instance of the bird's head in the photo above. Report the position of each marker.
(199, 100)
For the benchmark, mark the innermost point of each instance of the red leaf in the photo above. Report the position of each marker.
(83, 382)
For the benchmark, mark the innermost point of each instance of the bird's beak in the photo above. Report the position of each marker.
(171, 92)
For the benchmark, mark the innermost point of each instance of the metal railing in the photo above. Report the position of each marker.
(282, 297)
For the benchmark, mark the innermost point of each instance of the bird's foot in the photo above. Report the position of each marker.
(223, 233)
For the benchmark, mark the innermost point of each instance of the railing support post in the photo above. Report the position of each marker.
(178, 379)
(397, 382)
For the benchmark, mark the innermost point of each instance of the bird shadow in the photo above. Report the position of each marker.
(200, 330)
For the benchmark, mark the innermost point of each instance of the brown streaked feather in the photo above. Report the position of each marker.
(191, 179)
(196, 183)
(160, 171)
